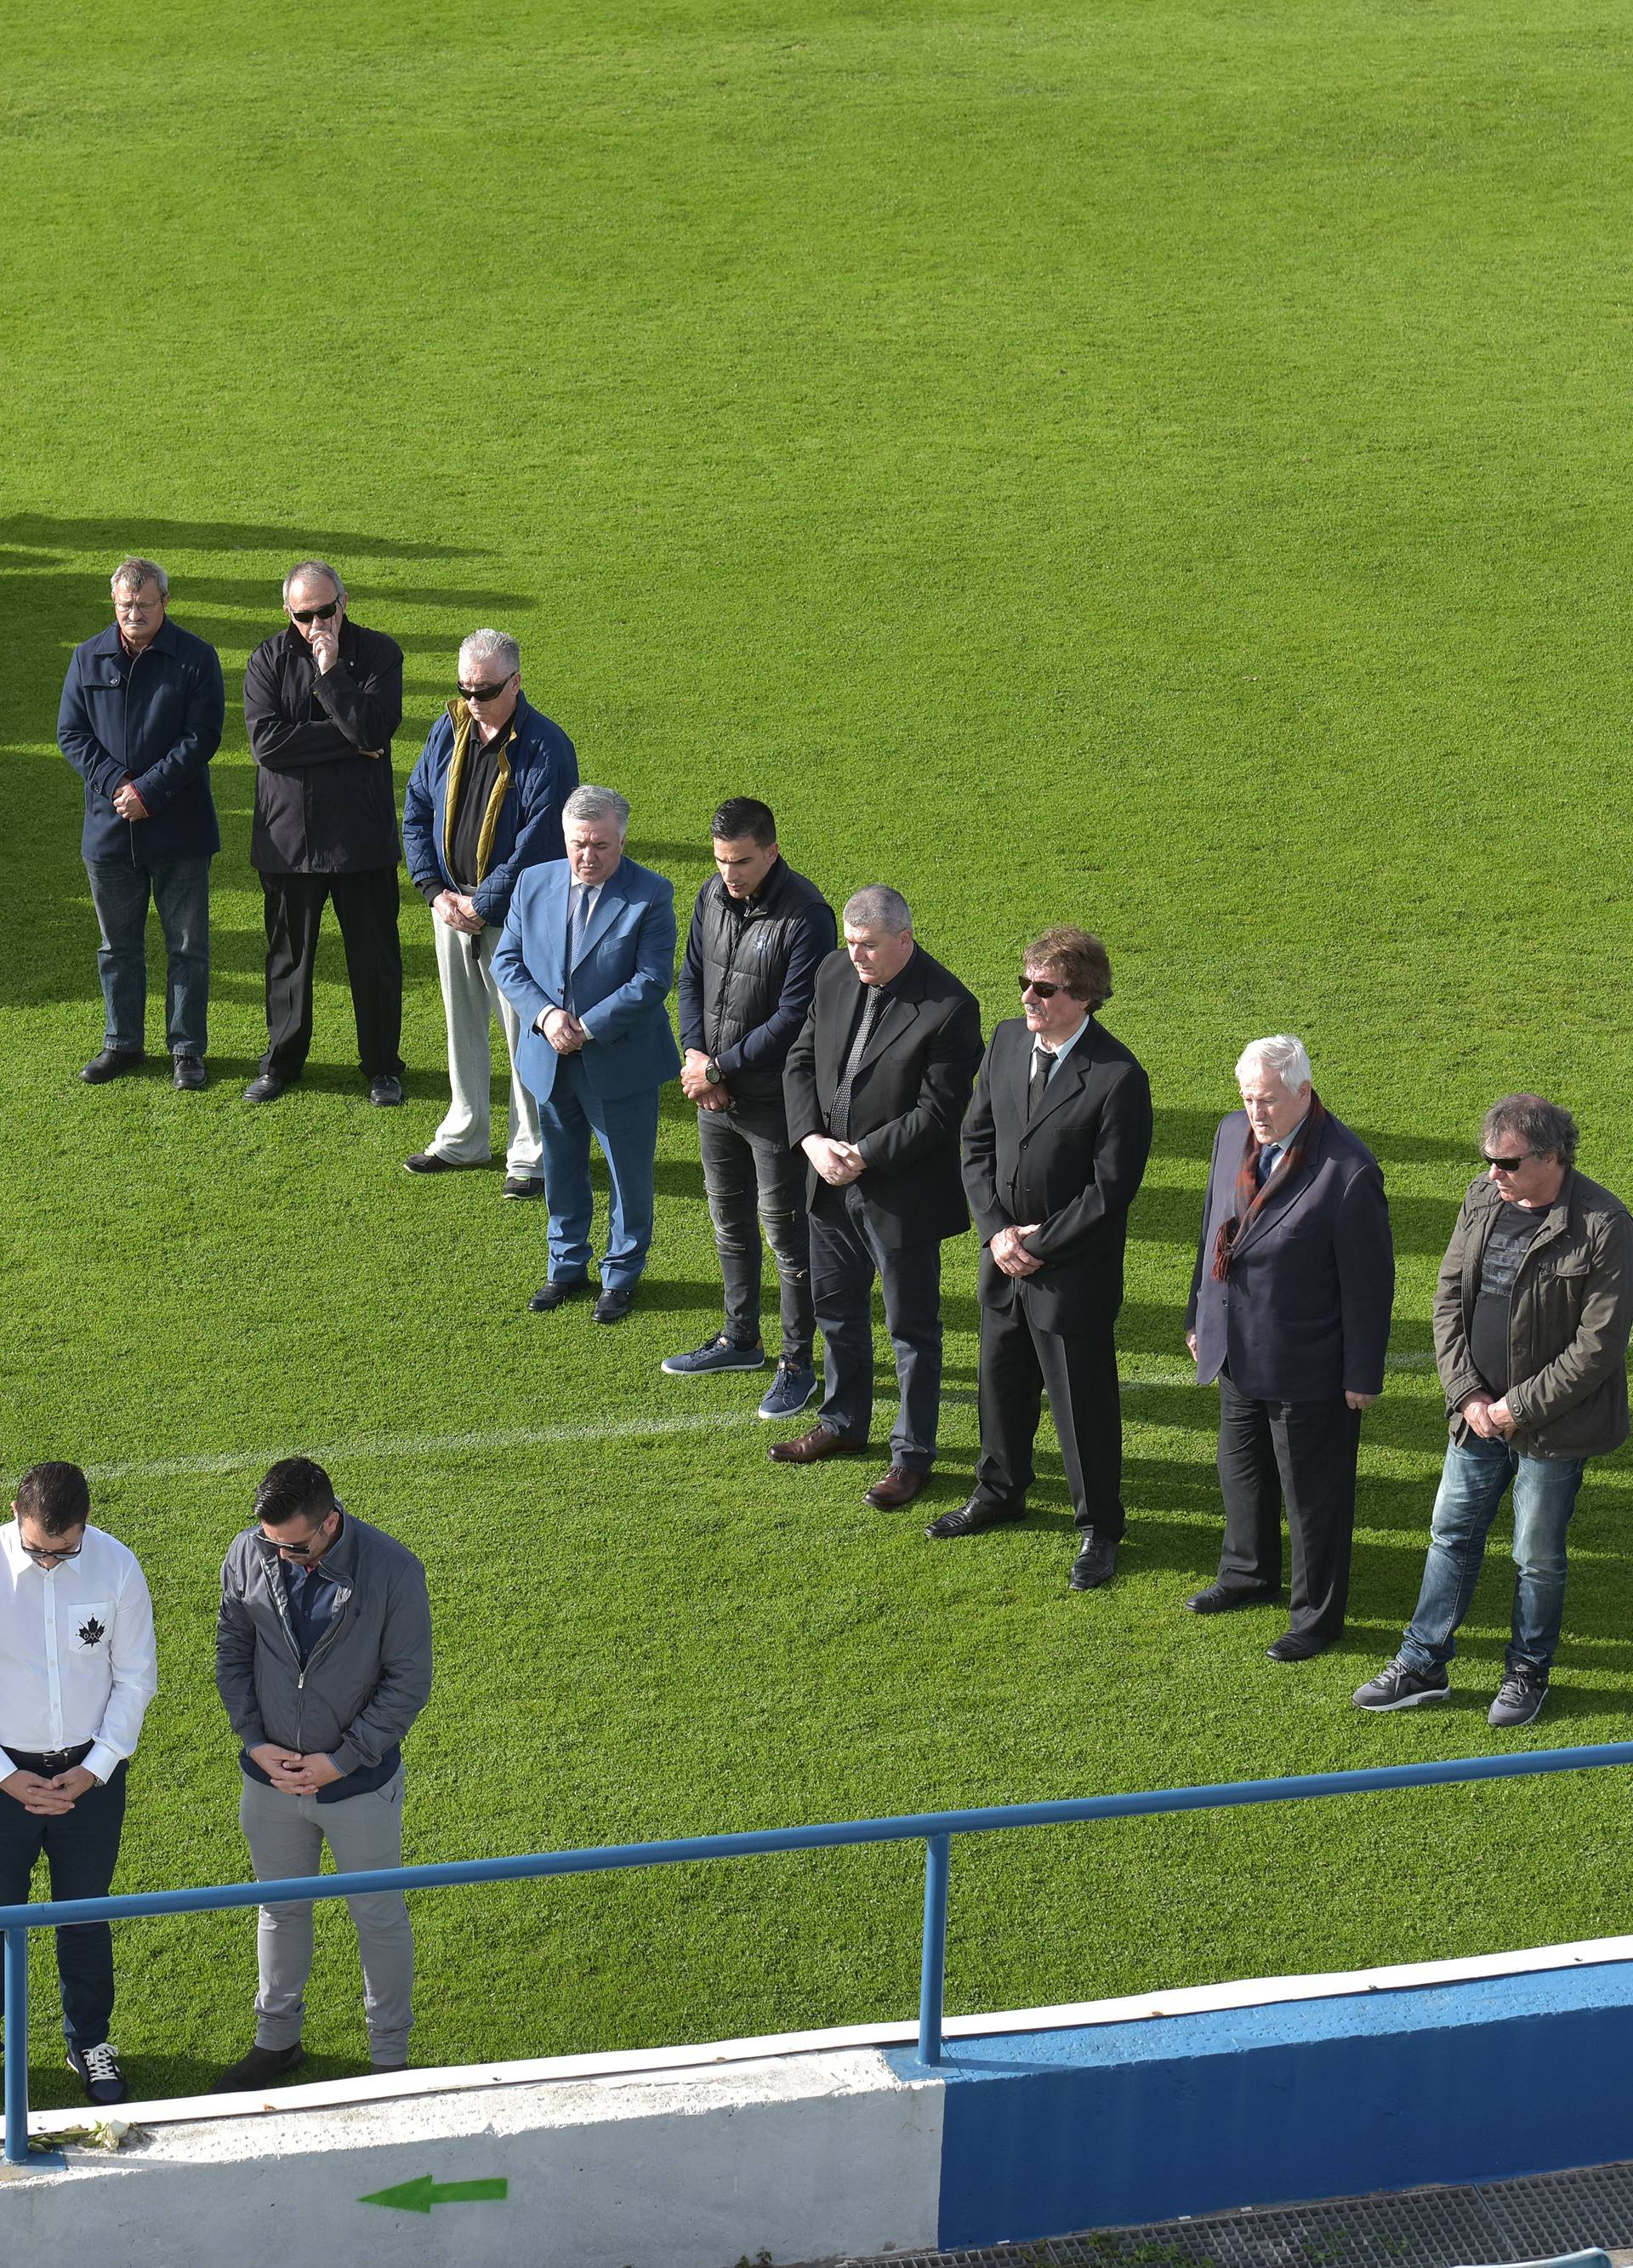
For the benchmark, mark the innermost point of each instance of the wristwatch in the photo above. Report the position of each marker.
(711, 1071)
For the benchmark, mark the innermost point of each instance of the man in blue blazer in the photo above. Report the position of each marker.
(1289, 1311)
(586, 960)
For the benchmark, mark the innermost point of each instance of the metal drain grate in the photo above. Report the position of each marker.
(1530, 2220)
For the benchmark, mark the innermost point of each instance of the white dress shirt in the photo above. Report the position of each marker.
(76, 1655)
(1056, 1056)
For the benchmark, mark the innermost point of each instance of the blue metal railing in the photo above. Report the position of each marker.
(933, 1829)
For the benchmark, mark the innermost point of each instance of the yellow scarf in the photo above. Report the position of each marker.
(460, 715)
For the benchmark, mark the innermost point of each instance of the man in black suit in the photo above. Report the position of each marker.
(875, 1087)
(1054, 1147)
(1289, 1311)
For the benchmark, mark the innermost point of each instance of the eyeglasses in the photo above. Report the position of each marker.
(50, 1558)
(312, 1548)
(1508, 1165)
(314, 613)
(1044, 992)
(484, 692)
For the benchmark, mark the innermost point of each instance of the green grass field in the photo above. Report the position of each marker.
(1160, 466)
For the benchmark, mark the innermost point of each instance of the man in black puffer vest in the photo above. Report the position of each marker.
(759, 934)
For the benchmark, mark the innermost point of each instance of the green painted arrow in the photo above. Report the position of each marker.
(421, 2195)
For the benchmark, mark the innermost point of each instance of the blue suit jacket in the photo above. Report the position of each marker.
(1304, 1315)
(620, 981)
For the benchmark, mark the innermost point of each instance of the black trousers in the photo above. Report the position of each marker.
(846, 1254)
(1302, 1453)
(81, 1850)
(1018, 1363)
(365, 906)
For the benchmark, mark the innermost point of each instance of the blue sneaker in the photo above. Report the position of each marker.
(720, 1353)
(790, 1390)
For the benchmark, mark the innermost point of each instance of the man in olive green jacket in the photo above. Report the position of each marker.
(1531, 1317)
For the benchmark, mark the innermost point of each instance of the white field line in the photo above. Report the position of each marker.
(386, 1448)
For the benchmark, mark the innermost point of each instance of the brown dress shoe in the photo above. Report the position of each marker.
(896, 1488)
(810, 1449)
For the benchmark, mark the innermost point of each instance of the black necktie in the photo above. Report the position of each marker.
(839, 1116)
(1037, 1085)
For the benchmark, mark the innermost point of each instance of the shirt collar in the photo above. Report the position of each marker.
(1060, 1054)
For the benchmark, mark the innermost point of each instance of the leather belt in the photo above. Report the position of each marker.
(46, 1763)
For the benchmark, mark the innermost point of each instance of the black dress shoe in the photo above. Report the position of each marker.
(612, 1306)
(189, 1075)
(113, 1063)
(973, 1517)
(385, 1091)
(1221, 1598)
(259, 2066)
(1294, 1645)
(523, 1185)
(266, 1086)
(1094, 1565)
(556, 1292)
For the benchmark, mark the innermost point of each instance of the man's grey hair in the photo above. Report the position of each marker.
(491, 645)
(311, 567)
(594, 803)
(878, 907)
(137, 571)
(1541, 1126)
(1280, 1054)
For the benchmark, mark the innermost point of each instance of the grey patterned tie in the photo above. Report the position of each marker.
(839, 1116)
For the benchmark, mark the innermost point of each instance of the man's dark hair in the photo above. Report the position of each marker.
(739, 815)
(1073, 959)
(1541, 1126)
(293, 1488)
(57, 1495)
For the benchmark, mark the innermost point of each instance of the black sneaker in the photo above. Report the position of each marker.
(718, 1353)
(96, 2070)
(259, 2066)
(1397, 1687)
(1519, 1697)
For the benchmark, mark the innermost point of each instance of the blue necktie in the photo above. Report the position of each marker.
(577, 921)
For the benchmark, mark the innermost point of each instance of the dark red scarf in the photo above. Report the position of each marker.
(1252, 1196)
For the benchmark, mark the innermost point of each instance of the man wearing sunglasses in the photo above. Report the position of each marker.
(322, 698)
(1055, 1148)
(77, 1671)
(483, 804)
(1532, 1315)
(323, 1661)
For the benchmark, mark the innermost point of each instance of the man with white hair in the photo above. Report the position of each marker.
(1289, 1311)
(322, 698)
(141, 717)
(586, 960)
(483, 804)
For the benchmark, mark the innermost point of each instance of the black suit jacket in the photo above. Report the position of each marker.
(1304, 1315)
(907, 1098)
(1073, 1167)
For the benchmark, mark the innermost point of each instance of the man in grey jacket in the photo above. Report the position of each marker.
(1531, 1317)
(323, 1660)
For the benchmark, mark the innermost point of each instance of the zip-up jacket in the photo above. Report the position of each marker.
(522, 828)
(1569, 1317)
(748, 976)
(324, 800)
(154, 718)
(364, 1681)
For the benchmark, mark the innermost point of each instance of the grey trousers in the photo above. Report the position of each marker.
(286, 1835)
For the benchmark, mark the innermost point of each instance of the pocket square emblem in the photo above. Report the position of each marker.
(91, 1633)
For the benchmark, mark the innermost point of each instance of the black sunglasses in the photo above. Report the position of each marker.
(1045, 991)
(41, 1558)
(315, 613)
(1508, 1165)
(483, 692)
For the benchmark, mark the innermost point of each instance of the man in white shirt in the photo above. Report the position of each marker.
(78, 1669)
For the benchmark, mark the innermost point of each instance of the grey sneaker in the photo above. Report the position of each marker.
(1519, 1697)
(1397, 1687)
(793, 1389)
(718, 1353)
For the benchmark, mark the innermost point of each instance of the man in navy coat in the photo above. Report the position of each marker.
(586, 960)
(142, 712)
(1289, 1311)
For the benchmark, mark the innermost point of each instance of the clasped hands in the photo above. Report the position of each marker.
(127, 803)
(295, 1774)
(1008, 1248)
(837, 1162)
(697, 1087)
(456, 911)
(563, 1031)
(1492, 1421)
(49, 1798)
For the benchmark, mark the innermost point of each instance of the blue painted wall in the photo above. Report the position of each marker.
(1050, 2132)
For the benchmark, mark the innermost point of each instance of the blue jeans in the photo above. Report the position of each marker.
(180, 889)
(1472, 1484)
(81, 1849)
